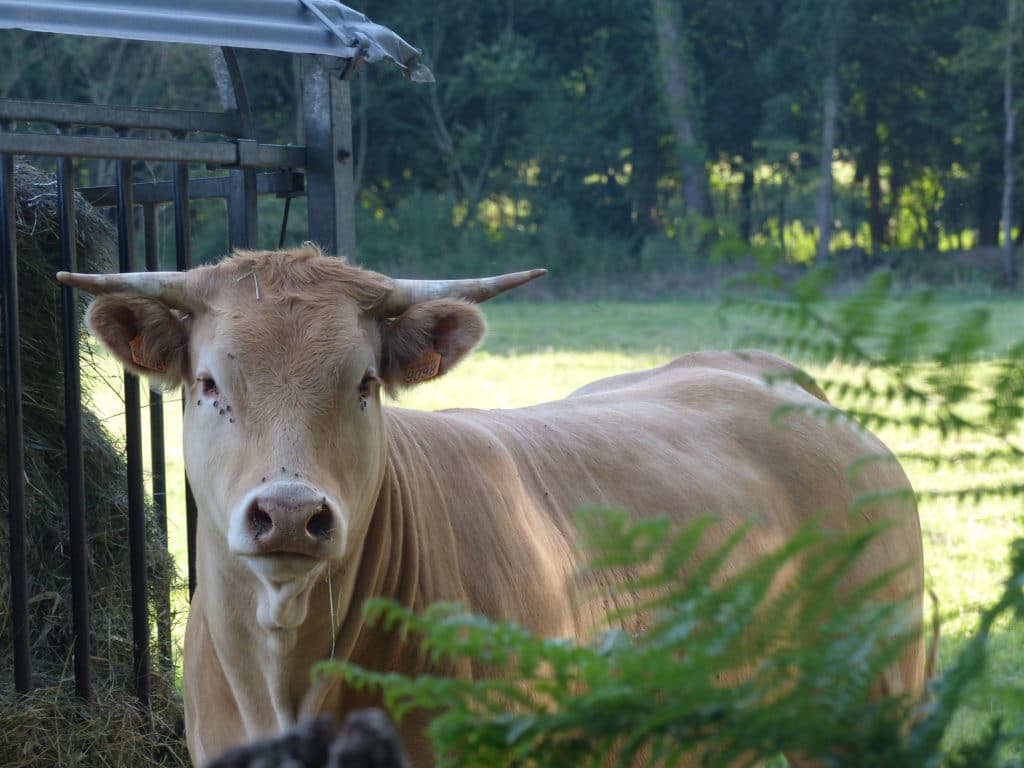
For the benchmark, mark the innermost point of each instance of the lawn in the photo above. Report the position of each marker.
(537, 352)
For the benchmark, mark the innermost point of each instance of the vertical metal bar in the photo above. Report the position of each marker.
(330, 189)
(284, 221)
(73, 430)
(242, 211)
(158, 463)
(183, 258)
(14, 428)
(133, 442)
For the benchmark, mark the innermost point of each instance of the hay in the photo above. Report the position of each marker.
(50, 726)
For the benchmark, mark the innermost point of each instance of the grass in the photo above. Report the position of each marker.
(537, 352)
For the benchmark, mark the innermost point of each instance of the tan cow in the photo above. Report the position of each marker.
(313, 496)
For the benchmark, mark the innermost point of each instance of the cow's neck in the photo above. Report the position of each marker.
(388, 566)
(268, 671)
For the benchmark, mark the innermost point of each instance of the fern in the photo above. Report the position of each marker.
(800, 656)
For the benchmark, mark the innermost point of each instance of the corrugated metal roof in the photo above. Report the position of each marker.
(297, 26)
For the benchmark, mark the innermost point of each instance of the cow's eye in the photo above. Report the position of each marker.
(208, 385)
(368, 380)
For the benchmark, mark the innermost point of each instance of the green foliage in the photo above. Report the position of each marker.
(557, 112)
(799, 656)
(913, 371)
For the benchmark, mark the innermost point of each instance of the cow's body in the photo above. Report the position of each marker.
(477, 507)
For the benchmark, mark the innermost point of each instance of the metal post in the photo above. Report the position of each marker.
(243, 230)
(158, 464)
(242, 210)
(330, 188)
(133, 444)
(183, 259)
(73, 429)
(14, 427)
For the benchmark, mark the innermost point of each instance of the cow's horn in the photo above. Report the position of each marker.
(405, 293)
(170, 287)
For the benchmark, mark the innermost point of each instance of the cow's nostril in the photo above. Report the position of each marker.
(319, 525)
(260, 521)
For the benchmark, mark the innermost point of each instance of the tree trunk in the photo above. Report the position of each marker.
(1009, 261)
(747, 201)
(782, 219)
(673, 55)
(643, 182)
(989, 179)
(831, 13)
(876, 217)
(828, 143)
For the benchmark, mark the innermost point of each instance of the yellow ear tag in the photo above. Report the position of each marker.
(424, 367)
(156, 366)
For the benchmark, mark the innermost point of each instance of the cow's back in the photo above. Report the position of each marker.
(700, 436)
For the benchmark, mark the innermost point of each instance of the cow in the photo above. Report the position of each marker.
(313, 495)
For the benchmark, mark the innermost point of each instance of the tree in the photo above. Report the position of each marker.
(1009, 262)
(833, 17)
(677, 75)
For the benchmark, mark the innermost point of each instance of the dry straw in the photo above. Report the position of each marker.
(50, 727)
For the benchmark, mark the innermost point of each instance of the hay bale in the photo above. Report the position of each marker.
(50, 726)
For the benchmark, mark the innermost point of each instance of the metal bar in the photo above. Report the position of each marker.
(243, 212)
(183, 258)
(327, 122)
(252, 154)
(73, 429)
(262, 25)
(218, 153)
(231, 87)
(284, 222)
(14, 428)
(63, 113)
(158, 463)
(275, 26)
(207, 187)
(133, 443)
(242, 203)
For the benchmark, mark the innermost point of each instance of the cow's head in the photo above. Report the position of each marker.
(282, 357)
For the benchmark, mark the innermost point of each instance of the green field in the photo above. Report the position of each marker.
(537, 352)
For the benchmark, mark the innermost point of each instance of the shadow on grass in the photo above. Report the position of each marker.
(992, 694)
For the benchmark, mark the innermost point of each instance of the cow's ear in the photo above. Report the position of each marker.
(428, 340)
(143, 334)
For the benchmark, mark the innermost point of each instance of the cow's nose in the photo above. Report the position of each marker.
(290, 518)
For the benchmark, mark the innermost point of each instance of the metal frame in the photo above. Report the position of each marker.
(322, 168)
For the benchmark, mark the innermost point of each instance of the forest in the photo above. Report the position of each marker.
(645, 139)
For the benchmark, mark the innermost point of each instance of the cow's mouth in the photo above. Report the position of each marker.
(286, 582)
(281, 567)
